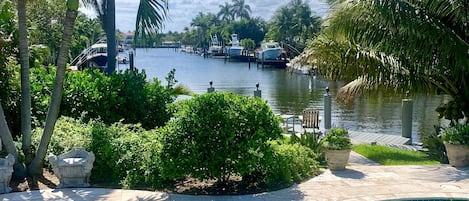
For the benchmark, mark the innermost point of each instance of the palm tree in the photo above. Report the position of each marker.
(226, 13)
(150, 17)
(56, 97)
(204, 22)
(416, 45)
(240, 9)
(25, 84)
(294, 24)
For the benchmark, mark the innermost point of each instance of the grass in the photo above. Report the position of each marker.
(393, 156)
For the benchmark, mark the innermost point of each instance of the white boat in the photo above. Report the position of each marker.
(122, 58)
(236, 49)
(92, 57)
(269, 51)
(215, 48)
(95, 57)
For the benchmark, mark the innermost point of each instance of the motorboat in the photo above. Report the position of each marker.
(215, 48)
(236, 49)
(122, 58)
(269, 51)
(94, 56)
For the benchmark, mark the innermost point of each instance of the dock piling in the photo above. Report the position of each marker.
(327, 109)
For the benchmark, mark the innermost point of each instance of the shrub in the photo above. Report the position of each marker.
(217, 135)
(125, 96)
(287, 163)
(125, 154)
(68, 133)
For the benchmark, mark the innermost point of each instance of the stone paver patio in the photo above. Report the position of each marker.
(362, 180)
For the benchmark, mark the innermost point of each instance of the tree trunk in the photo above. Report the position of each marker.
(25, 81)
(56, 98)
(111, 36)
(7, 139)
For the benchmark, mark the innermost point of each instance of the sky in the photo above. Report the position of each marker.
(181, 12)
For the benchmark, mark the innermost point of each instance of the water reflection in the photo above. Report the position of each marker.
(289, 93)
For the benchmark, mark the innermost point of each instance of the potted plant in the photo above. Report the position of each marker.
(337, 146)
(456, 140)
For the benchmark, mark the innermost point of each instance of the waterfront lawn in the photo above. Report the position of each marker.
(393, 156)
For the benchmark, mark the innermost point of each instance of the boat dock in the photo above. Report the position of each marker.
(292, 125)
(383, 139)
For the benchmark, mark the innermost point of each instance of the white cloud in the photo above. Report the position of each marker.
(181, 12)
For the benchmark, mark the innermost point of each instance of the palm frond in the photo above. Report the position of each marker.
(398, 44)
(150, 18)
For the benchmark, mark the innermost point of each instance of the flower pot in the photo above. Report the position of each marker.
(458, 155)
(337, 159)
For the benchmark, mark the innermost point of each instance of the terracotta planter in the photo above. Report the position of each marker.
(337, 159)
(458, 155)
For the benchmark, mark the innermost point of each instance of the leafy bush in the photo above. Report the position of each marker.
(336, 139)
(125, 154)
(287, 163)
(217, 135)
(68, 133)
(123, 96)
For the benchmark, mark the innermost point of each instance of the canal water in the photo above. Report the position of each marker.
(289, 93)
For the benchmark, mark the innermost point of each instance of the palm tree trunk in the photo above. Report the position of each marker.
(111, 36)
(7, 139)
(54, 107)
(25, 83)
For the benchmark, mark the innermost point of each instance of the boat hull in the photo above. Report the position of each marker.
(235, 51)
(270, 54)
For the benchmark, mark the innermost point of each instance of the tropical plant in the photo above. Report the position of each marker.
(421, 46)
(150, 17)
(253, 28)
(34, 167)
(457, 134)
(310, 140)
(226, 13)
(23, 47)
(336, 139)
(248, 43)
(240, 9)
(294, 24)
(204, 22)
(435, 145)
